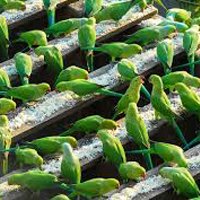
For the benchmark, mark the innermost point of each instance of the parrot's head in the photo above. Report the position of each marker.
(91, 21)
(103, 134)
(180, 87)
(167, 172)
(168, 29)
(67, 149)
(14, 179)
(71, 140)
(61, 86)
(155, 79)
(45, 87)
(112, 183)
(138, 80)
(178, 14)
(4, 121)
(108, 124)
(135, 48)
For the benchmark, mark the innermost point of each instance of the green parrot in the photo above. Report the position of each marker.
(92, 7)
(29, 92)
(127, 69)
(181, 27)
(162, 105)
(33, 38)
(112, 148)
(132, 171)
(136, 128)
(72, 73)
(4, 39)
(53, 58)
(6, 105)
(34, 180)
(4, 122)
(191, 40)
(151, 34)
(60, 197)
(87, 40)
(165, 54)
(10, 5)
(172, 78)
(28, 157)
(83, 87)
(70, 165)
(159, 2)
(115, 11)
(24, 65)
(5, 143)
(96, 187)
(50, 6)
(182, 181)
(177, 14)
(189, 98)
(4, 80)
(132, 94)
(66, 26)
(170, 153)
(91, 124)
(119, 50)
(52, 144)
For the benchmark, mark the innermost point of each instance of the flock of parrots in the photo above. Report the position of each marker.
(177, 21)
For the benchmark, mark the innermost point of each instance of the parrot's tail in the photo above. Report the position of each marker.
(51, 16)
(193, 142)
(179, 132)
(5, 166)
(68, 132)
(25, 81)
(106, 92)
(145, 92)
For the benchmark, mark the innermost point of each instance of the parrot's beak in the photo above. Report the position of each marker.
(144, 175)
(142, 79)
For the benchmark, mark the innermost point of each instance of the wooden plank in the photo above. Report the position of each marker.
(69, 44)
(35, 11)
(90, 150)
(160, 187)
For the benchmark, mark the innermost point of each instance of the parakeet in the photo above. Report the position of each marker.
(96, 187)
(4, 80)
(28, 157)
(151, 34)
(6, 105)
(24, 65)
(10, 5)
(162, 105)
(87, 40)
(127, 69)
(170, 153)
(33, 38)
(189, 98)
(181, 27)
(132, 94)
(177, 14)
(83, 87)
(182, 181)
(172, 78)
(136, 127)
(52, 144)
(112, 148)
(5, 143)
(72, 73)
(70, 165)
(53, 58)
(50, 6)
(165, 54)
(65, 26)
(92, 7)
(35, 180)
(27, 93)
(4, 39)
(91, 124)
(119, 50)
(115, 11)
(191, 40)
(132, 171)
(60, 197)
